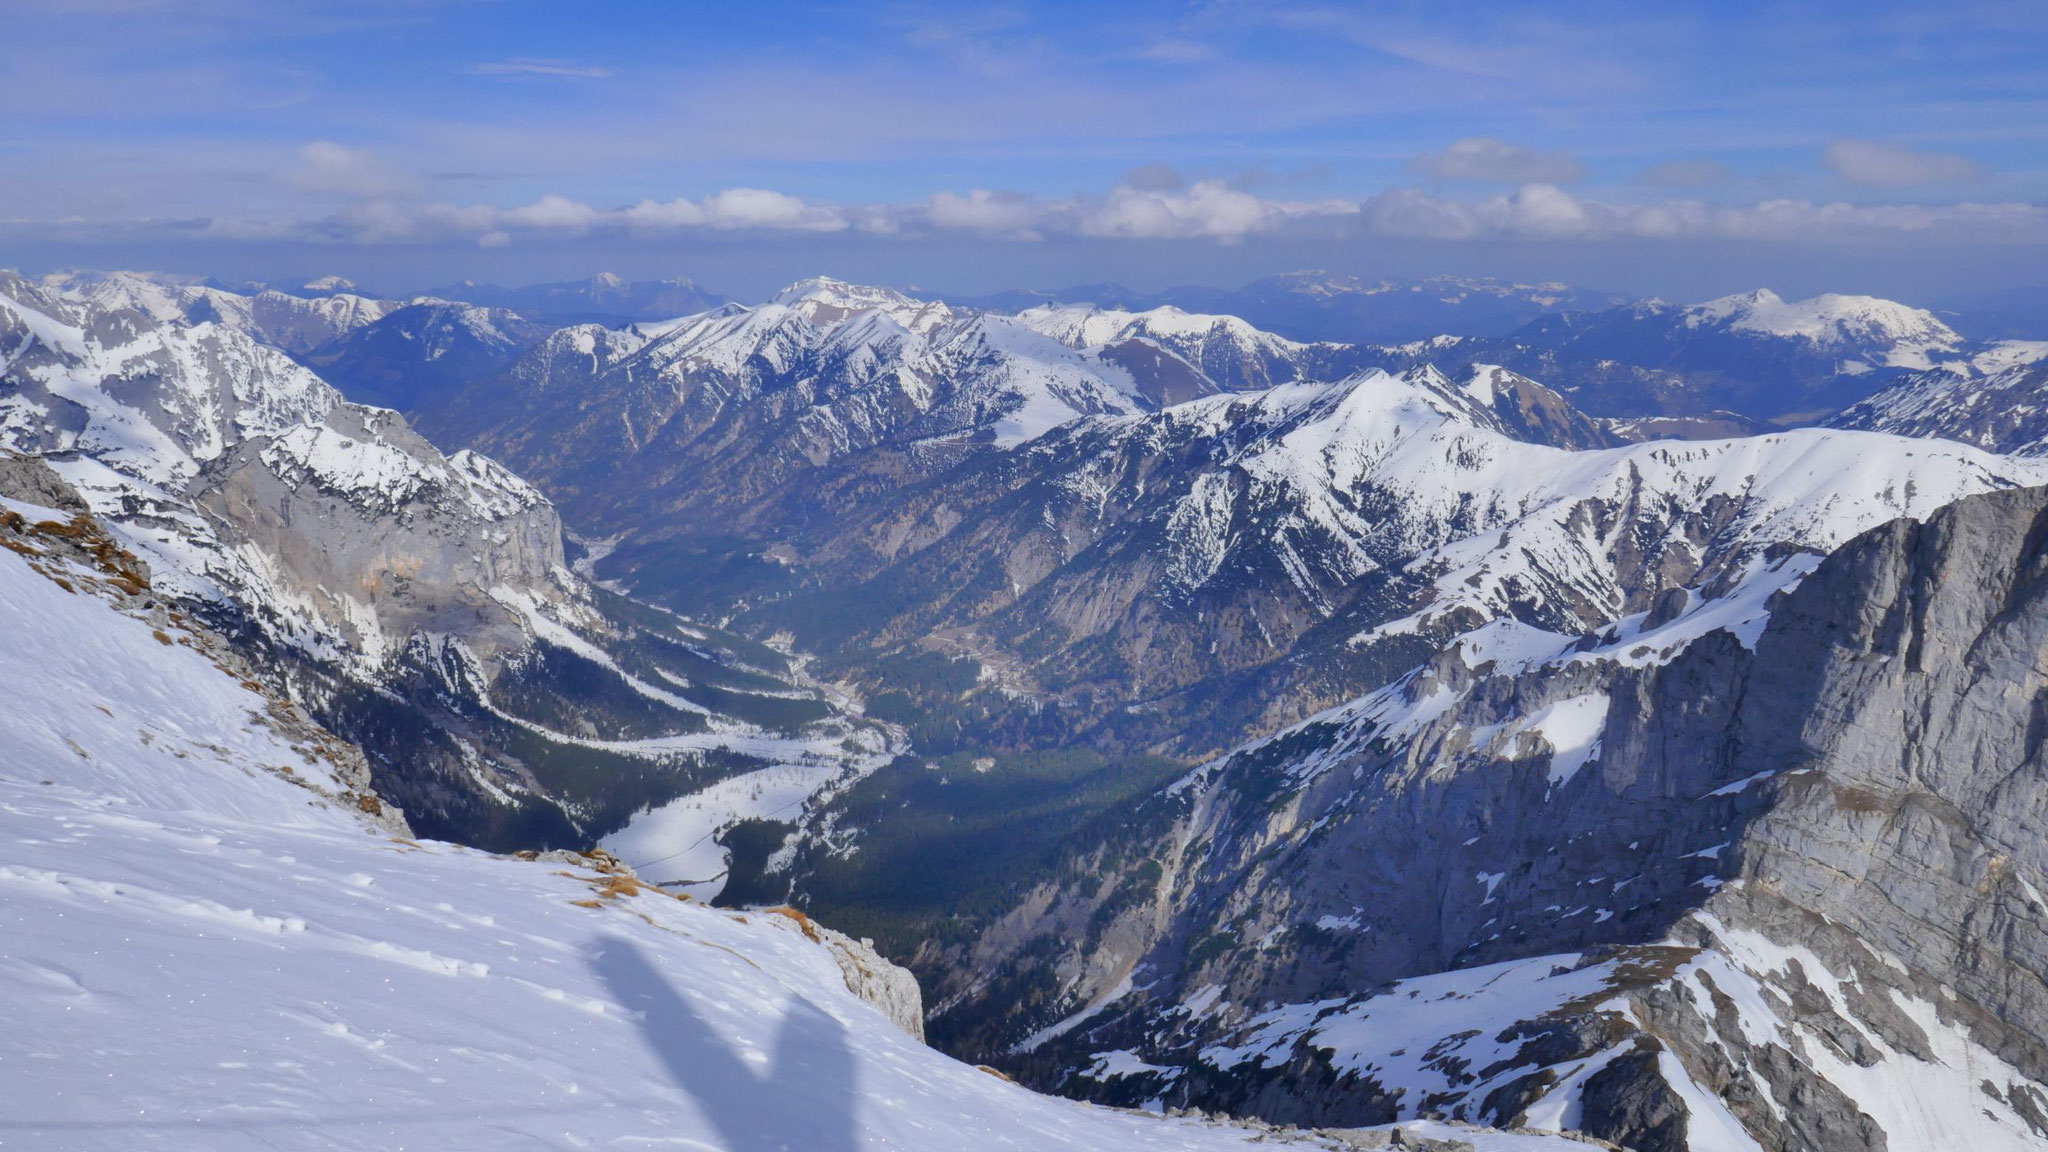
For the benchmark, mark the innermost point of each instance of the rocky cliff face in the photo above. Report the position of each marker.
(243, 476)
(380, 537)
(1760, 884)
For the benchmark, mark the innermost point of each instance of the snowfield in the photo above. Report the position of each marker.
(204, 945)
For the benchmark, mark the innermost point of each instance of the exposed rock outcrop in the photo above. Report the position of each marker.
(1787, 889)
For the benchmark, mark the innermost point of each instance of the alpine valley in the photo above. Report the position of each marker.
(1335, 711)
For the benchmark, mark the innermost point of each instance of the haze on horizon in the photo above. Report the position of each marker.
(1696, 149)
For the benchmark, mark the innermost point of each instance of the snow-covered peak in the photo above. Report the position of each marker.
(1899, 335)
(207, 386)
(328, 285)
(159, 298)
(371, 458)
(1224, 353)
(246, 480)
(1081, 325)
(296, 324)
(825, 302)
(1430, 477)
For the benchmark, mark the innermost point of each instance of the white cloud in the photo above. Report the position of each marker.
(328, 168)
(1545, 210)
(1879, 165)
(552, 212)
(761, 208)
(1484, 158)
(653, 216)
(1210, 209)
(1004, 213)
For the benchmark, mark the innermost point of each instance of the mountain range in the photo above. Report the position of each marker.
(420, 605)
(1586, 715)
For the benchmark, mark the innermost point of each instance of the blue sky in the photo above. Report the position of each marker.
(1679, 148)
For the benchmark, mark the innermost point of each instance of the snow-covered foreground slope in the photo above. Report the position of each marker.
(205, 943)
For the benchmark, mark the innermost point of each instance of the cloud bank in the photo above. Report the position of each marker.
(382, 206)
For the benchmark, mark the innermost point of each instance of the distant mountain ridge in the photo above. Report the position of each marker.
(605, 297)
(1314, 305)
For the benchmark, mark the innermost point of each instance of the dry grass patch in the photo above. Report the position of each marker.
(802, 921)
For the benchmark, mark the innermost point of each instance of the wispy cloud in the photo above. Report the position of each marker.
(326, 168)
(1875, 164)
(556, 69)
(1485, 159)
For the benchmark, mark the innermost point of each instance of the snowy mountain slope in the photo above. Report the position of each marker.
(1312, 526)
(825, 301)
(1225, 352)
(417, 602)
(215, 454)
(152, 399)
(744, 408)
(2005, 410)
(199, 913)
(1896, 335)
(295, 324)
(1754, 868)
(391, 353)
